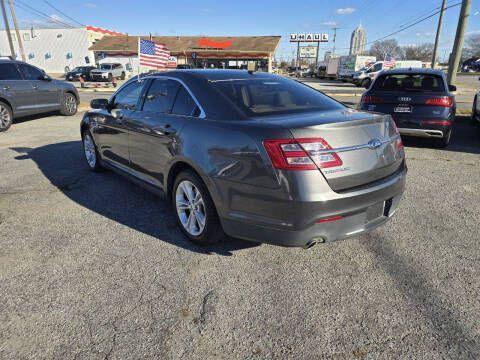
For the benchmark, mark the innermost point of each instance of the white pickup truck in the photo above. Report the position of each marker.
(108, 71)
(365, 76)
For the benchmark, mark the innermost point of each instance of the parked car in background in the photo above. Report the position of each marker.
(308, 72)
(277, 162)
(471, 65)
(75, 74)
(184, 66)
(366, 75)
(419, 100)
(27, 90)
(476, 107)
(108, 71)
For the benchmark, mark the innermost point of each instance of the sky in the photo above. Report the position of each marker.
(266, 17)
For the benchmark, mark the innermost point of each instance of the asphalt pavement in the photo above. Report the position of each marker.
(94, 267)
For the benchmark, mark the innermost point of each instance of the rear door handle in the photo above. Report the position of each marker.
(6, 88)
(35, 87)
(164, 130)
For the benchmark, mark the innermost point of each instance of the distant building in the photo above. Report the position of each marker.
(56, 49)
(358, 40)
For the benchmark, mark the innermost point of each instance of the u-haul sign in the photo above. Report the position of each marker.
(308, 37)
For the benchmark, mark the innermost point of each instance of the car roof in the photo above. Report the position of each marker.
(214, 74)
(414, 71)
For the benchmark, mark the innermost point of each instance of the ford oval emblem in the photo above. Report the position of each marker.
(374, 143)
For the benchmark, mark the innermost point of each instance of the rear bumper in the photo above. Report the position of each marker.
(361, 211)
(421, 132)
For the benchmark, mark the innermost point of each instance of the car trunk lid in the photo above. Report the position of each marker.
(368, 145)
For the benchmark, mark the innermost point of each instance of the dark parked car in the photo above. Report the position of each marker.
(419, 100)
(27, 90)
(255, 155)
(75, 74)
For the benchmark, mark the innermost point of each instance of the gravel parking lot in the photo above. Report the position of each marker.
(92, 266)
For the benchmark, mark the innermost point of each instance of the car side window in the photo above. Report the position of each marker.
(184, 104)
(9, 71)
(30, 72)
(127, 97)
(160, 96)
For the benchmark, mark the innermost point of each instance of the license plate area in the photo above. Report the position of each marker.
(402, 109)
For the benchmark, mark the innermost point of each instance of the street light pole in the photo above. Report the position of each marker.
(458, 44)
(7, 29)
(437, 36)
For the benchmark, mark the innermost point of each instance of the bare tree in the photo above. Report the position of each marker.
(473, 44)
(380, 49)
(421, 52)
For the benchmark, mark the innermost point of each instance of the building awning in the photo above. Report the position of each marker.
(241, 47)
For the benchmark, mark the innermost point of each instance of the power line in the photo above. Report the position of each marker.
(61, 12)
(41, 14)
(409, 26)
(412, 25)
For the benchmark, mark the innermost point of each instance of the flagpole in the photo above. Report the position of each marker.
(138, 58)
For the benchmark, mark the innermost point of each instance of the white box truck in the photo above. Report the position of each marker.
(364, 77)
(332, 67)
(350, 64)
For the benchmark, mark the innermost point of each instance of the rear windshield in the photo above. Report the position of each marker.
(410, 82)
(260, 97)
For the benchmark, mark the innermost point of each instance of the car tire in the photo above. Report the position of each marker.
(90, 152)
(190, 212)
(110, 77)
(366, 83)
(445, 140)
(122, 77)
(6, 116)
(69, 105)
(475, 116)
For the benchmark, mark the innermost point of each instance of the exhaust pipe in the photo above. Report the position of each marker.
(313, 242)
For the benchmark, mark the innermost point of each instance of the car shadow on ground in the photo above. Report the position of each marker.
(114, 197)
(465, 138)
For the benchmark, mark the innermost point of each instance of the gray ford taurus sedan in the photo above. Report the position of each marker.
(253, 155)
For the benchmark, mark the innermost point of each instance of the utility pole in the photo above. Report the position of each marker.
(437, 36)
(7, 29)
(15, 24)
(458, 44)
(334, 39)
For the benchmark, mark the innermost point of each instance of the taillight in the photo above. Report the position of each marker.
(398, 141)
(445, 101)
(301, 154)
(371, 99)
(437, 122)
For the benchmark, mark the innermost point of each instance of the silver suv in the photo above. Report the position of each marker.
(27, 90)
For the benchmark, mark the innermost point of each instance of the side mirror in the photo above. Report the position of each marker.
(99, 104)
(452, 88)
(45, 77)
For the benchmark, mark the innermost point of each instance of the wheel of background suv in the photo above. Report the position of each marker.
(90, 151)
(69, 105)
(445, 140)
(194, 209)
(110, 77)
(6, 116)
(366, 83)
(122, 77)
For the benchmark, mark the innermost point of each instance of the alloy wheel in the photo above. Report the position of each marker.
(190, 208)
(89, 149)
(5, 117)
(70, 104)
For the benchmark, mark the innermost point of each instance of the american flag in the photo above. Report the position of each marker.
(152, 54)
(388, 62)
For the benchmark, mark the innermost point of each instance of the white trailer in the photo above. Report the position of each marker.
(350, 64)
